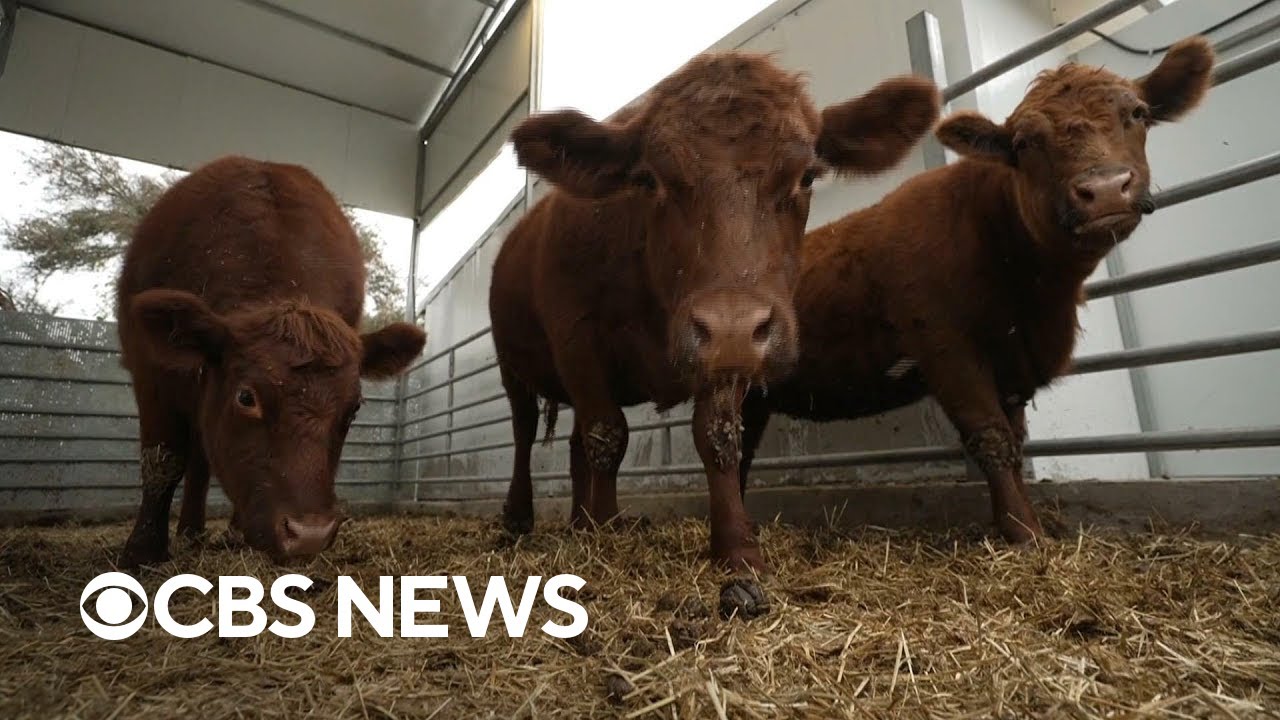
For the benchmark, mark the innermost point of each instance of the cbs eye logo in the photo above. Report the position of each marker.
(113, 606)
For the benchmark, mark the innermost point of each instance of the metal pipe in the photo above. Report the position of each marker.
(47, 460)
(62, 436)
(458, 428)
(1038, 47)
(455, 408)
(642, 427)
(441, 353)
(127, 415)
(1178, 352)
(78, 347)
(1250, 33)
(1246, 63)
(446, 383)
(1163, 440)
(106, 487)
(1235, 176)
(1101, 362)
(458, 451)
(1189, 270)
(50, 377)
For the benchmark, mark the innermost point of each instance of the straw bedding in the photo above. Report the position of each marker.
(864, 623)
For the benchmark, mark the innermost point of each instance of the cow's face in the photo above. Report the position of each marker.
(279, 388)
(1078, 144)
(718, 165)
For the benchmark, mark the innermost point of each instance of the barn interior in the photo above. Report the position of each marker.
(1156, 462)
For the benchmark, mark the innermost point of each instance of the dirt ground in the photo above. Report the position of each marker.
(865, 623)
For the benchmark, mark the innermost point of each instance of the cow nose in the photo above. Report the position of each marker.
(1104, 192)
(732, 335)
(303, 535)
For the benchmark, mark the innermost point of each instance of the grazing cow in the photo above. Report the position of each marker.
(238, 303)
(964, 282)
(661, 265)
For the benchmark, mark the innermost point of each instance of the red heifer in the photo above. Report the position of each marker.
(238, 304)
(964, 282)
(662, 264)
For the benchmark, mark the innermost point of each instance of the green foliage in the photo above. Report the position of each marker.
(94, 203)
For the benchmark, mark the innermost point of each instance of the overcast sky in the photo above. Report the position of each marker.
(81, 295)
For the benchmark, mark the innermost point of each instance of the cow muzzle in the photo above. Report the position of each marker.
(737, 335)
(1108, 199)
(305, 535)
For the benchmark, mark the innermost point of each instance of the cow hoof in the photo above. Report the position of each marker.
(137, 553)
(743, 597)
(1024, 533)
(193, 535)
(516, 524)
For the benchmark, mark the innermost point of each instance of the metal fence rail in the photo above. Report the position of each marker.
(1160, 440)
(1267, 340)
(69, 429)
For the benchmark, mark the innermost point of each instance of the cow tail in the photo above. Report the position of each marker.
(552, 409)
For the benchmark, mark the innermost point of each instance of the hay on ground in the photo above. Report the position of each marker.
(865, 623)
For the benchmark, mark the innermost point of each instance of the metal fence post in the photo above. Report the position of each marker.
(924, 44)
(448, 438)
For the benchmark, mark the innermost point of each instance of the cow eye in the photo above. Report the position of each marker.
(806, 180)
(644, 179)
(246, 399)
(1020, 143)
(1140, 113)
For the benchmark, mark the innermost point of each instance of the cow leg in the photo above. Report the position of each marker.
(195, 494)
(163, 456)
(604, 444)
(969, 396)
(517, 512)
(579, 517)
(599, 439)
(755, 418)
(717, 435)
(1017, 415)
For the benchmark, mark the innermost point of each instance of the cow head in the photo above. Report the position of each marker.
(717, 163)
(279, 388)
(1077, 144)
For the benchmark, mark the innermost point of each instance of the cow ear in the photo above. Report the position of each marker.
(973, 135)
(1180, 81)
(874, 132)
(389, 351)
(180, 330)
(586, 158)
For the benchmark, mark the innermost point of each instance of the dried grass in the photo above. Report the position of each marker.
(864, 624)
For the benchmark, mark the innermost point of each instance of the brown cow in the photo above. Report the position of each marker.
(238, 303)
(661, 266)
(964, 282)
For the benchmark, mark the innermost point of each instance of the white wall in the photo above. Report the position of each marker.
(72, 84)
